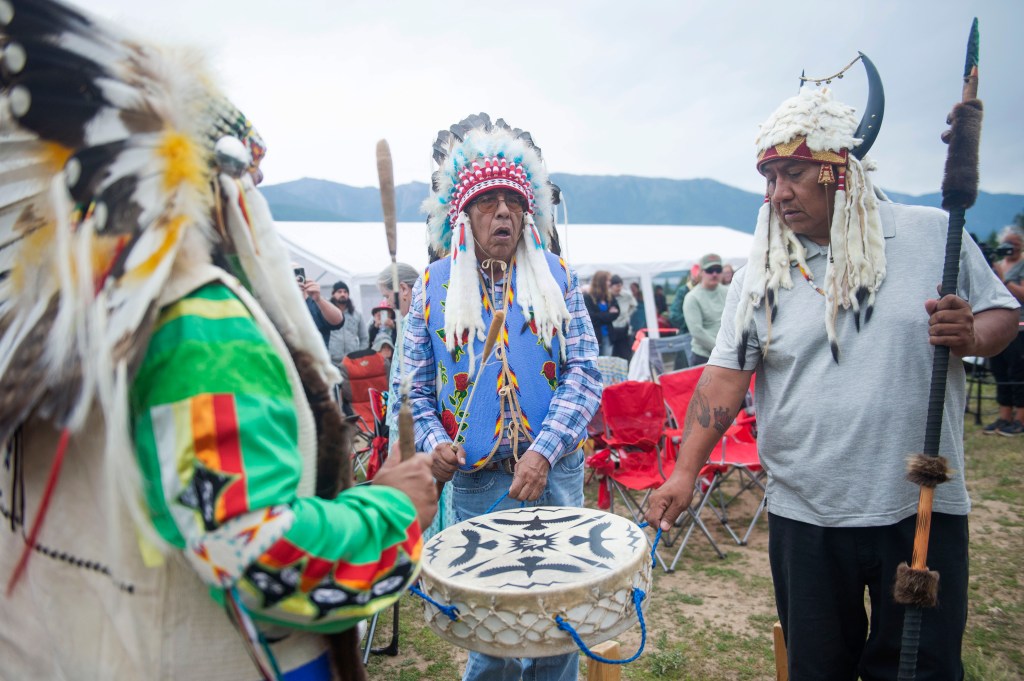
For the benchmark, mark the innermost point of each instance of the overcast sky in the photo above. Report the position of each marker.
(657, 89)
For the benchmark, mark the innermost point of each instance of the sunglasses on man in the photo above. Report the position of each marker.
(488, 203)
(714, 269)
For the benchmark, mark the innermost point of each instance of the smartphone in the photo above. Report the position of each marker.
(300, 275)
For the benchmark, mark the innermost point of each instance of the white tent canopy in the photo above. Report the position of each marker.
(356, 252)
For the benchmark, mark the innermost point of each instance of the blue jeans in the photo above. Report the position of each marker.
(472, 495)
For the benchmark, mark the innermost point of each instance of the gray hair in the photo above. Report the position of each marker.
(407, 274)
(1011, 230)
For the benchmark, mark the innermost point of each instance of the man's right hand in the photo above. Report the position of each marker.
(669, 501)
(446, 459)
(412, 477)
(311, 288)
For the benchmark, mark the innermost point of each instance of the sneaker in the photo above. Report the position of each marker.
(1012, 430)
(993, 427)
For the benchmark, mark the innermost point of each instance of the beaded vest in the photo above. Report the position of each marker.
(517, 382)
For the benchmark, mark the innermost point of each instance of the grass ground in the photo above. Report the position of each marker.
(712, 618)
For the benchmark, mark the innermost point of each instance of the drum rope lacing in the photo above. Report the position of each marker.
(450, 610)
(638, 596)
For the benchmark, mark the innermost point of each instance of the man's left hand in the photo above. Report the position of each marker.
(951, 323)
(530, 478)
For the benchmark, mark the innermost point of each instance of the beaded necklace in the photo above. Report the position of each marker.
(809, 278)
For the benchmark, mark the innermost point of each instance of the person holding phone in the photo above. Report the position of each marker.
(326, 315)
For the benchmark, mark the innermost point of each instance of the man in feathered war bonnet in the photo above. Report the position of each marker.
(835, 311)
(173, 457)
(490, 214)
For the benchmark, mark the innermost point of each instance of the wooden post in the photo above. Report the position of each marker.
(781, 662)
(598, 671)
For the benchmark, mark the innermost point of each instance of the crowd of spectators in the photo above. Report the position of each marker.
(619, 313)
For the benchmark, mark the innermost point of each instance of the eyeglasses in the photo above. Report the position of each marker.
(488, 203)
(714, 269)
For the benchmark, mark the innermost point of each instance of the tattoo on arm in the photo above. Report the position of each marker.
(699, 408)
(722, 419)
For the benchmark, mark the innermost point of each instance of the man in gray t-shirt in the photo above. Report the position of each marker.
(835, 312)
(703, 307)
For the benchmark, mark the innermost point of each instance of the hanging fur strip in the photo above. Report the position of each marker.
(814, 128)
(463, 308)
(333, 475)
(854, 273)
(537, 292)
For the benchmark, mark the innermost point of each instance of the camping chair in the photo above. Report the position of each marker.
(738, 451)
(379, 444)
(613, 370)
(737, 454)
(378, 453)
(635, 460)
(735, 457)
(365, 370)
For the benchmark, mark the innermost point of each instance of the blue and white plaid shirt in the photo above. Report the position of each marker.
(572, 406)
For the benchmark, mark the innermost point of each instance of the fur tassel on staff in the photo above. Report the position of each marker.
(916, 586)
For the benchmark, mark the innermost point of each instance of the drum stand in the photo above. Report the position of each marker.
(391, 649)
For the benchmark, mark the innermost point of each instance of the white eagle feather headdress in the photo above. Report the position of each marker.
(475, 156)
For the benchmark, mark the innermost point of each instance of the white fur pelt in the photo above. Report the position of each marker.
(537, 292)
(827, 124)
(265, 261)
(856, 257)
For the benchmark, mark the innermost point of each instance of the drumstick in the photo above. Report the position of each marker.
(492, 337)
(497, 324)
(406, 438)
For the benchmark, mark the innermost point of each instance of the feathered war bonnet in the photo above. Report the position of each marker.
(475, 156)
(813, 127)
(116, 168)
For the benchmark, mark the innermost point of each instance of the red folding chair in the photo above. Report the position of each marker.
(638, 458)
(378, 451)
(633, 417)
(365, 371)
(734, 459)
(376, 454)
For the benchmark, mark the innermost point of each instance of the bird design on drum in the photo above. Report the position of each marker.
(473, 545)
(529, 565)
(509, 574)
(594, 541)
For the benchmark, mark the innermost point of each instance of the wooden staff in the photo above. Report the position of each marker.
(386, 179)
(497, 323)
(916, 586)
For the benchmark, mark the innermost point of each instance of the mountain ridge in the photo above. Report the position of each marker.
(600, 199)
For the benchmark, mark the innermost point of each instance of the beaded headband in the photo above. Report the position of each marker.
(495, 172)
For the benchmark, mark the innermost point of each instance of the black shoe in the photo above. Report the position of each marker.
(1012, 429)
(993, 427)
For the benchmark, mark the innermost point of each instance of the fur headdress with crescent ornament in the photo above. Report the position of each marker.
(816, 128)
